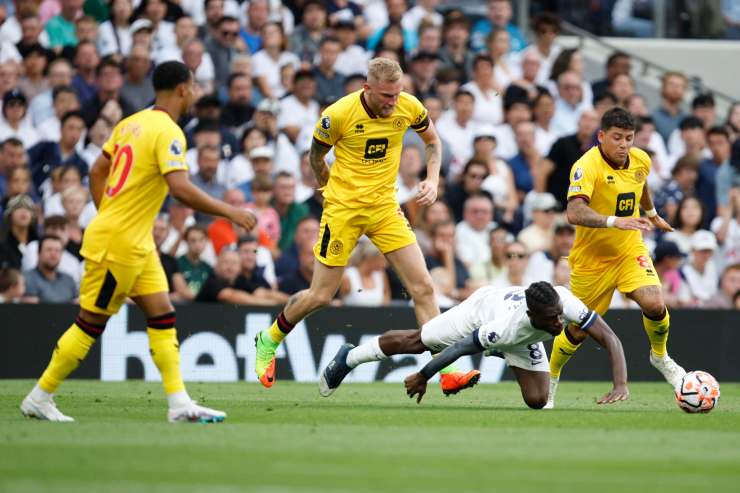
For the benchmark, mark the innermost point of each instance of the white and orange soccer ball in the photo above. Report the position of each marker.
(698, 392)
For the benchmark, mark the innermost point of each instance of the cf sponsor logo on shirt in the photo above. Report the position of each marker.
(625, 204)
(376, 148)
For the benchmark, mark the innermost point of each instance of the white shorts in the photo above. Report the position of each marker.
(462, 320)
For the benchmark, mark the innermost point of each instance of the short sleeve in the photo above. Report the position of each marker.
(328, 129)
(582, 180)
(575, 311)
(490, 333)
(419, 116)
(170, 150)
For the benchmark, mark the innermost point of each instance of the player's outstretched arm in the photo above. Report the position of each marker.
(427, 193)
(417, 382)
(580, 214)
(646, 201)
(98, 176)
(183, 190)
(316, 158)
(604, 335)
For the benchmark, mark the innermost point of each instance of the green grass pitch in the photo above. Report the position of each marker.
(369, 438)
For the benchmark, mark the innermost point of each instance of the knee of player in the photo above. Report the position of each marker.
(536, 400)
(320, 297)
(653, 308)
(422, 289)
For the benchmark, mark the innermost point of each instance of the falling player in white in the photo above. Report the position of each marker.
(511, 323)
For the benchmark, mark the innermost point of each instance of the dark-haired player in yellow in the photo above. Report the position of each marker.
(142, 160)
(608, 184)
(366, 130)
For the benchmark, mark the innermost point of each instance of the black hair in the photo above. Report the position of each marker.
(703, 100)
(46, 238)
(541, 295)
(515, 94)
(233, 77)
(681, 204)
(618, 117)
(463, 92)
(168, 75)
(604, 96)
(207, 101)
(13, 141)
(719, 130)
(207, 125)
(328, 39)
(226, 18)
(303, 74)
(474, 162)
(615, 56)
(72, 114)
(247, 238)
(482, 57)
(62, 90)
(545, 19)
(690, 122)
(107, 62)
(195, 227)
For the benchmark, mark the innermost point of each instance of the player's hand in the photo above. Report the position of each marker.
(661, 224)
(415, 384)
(427, 193)
(620, 393)
(633, 224)
(244, 218)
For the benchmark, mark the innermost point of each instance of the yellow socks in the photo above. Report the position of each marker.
(71, 349)
(279, 329)
(657, 332)
(165, 351)
(562, 350)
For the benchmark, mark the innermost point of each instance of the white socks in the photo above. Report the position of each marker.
(39, 394)
(364, 353)
(178, 399)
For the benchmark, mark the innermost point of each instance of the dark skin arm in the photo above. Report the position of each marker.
(646, 201)
(580, 214)
(607, 339)
(318, 165)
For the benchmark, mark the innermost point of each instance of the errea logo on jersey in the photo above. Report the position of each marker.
(376, 148)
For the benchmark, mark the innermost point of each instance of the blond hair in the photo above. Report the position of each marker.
(383, 70)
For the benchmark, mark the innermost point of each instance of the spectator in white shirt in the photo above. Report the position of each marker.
(543, 265)
(703, 108)
(727, 228)
(472, 234)
(515, 267)
(269, 61)
(353, 58)
(507, 64)
(11, 29)
(114, 35)
(537, 237)
(546, 28)
(408, 174)
(486, 92)
(458, 129)
(69, 263)
(59, 74)
(299, 110)
(569, 104)
(195, 57)
(701, 272)
(16, 122)
(571, 60)
(424, 10)
(64, 100)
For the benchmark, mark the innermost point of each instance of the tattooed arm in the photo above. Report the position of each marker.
(318, 165)
(580, 214)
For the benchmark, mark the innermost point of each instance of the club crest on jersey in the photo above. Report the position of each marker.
(578, 174)
(398, 123)
(175, 148)
(326, 123)
(336, 247)
(639, 176)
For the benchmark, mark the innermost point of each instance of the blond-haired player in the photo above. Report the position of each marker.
(142, 160)
(608, 184)
(366, 130)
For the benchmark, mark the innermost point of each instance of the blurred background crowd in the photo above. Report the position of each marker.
(514, 108)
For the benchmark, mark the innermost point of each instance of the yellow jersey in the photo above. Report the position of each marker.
(367, 148)
(612, 191)
(142, 148)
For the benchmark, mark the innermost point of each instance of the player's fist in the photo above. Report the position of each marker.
(243, 217)
(633, 224)
(427, 193)
(415, 384)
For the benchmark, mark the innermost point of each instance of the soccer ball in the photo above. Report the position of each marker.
(698, 392)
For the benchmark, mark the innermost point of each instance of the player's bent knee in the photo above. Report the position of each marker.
(536, 401)
(653, 309)
(422, 289)
(319, 298)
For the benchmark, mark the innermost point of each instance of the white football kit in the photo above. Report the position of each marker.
(499, 316)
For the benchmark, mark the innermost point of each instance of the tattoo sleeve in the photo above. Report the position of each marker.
(433, 158)
(579, 213)
(318, 165)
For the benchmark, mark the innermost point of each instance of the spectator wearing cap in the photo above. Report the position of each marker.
(454, 52)
(223, 47)
(567, 150)
(299, 110)
(137, 87)
(48, 155)
(305, 39)
(86, 62)
(329, 72)
(34, 82)
(352, 58)
(59, 73)
(114, 35)
(500, 181)
(538, 236)
(64, 100)
(261, 159)
(15, 121)
(268, 62)
(542, 263)
(290, 211)
(69, 263)
(423, 70)
(700, 272)
(61, 27)
(667, 258)
(18, 231)
(108, 99)
(498, 16)
(285, 156)
(458, 129)
(473, 232)
(46, 283)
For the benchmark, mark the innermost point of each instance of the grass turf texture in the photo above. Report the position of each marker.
(369, 438)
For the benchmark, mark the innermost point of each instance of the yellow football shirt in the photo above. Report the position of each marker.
(367, 148)
(610, 191)
(143, 148)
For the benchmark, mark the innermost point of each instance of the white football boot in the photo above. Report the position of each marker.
(40, 406)
(672, 372)
(551, 394)
(191, 412)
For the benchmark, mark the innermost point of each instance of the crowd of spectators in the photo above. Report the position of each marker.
(514, 113)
